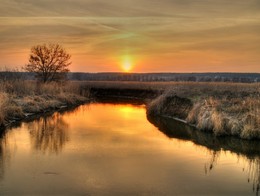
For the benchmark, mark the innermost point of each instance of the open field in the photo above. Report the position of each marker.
(205, 88)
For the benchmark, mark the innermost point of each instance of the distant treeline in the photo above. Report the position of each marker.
(194, 77)
(15, 75)
(146, 77)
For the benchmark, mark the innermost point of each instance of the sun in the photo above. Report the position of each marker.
(126, 64)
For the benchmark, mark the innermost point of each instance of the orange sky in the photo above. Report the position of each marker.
(136, 35)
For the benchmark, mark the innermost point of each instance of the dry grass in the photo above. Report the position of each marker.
(8, 108)
(19, 97)
(3, 103)
(223, 108)
(228, 116)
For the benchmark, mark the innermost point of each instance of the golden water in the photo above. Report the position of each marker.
(106, 149)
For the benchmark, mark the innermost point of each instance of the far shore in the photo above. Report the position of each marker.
(224, 109)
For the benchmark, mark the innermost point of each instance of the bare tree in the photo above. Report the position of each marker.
(49, 62)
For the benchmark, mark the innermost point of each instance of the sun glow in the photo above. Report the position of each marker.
(127, 64)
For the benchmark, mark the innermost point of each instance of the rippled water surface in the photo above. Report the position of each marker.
(106, 149)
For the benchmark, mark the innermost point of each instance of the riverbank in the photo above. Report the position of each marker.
(219, 108)
(224, 109)
(22, 99)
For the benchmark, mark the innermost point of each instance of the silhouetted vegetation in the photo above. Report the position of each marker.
(48, 62)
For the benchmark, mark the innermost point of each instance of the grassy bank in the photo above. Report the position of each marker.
(20, 98)
(220, 108)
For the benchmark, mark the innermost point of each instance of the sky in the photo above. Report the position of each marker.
(136, 35)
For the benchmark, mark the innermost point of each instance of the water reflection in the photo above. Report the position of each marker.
(49, 133)
(3, 154)
(7, 150)
(114, 150)
(249, 151)
(212, 162)
(253, 170)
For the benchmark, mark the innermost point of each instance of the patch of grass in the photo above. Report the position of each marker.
(224, 109)
(8, 108)
(18, 97)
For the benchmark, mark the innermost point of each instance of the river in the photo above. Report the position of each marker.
(112, 149)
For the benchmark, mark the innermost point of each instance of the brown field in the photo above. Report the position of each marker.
(194, 87)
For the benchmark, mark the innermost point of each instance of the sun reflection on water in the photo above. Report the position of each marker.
(114, 148)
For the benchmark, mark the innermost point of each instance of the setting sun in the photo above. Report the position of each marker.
(127, 64)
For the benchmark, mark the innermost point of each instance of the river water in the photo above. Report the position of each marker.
(107, 149)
